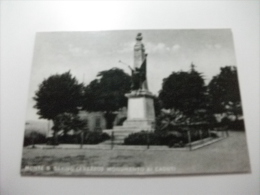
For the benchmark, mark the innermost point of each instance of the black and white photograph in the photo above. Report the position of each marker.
(129, 97)
(134, 102)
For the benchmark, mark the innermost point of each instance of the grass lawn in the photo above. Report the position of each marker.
(226, 156)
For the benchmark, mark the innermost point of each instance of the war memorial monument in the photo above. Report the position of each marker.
(140, 111)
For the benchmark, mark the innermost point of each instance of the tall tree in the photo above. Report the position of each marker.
(58, 94)
(107, 93)
(67, 122)
(224, 92)
(184, 91)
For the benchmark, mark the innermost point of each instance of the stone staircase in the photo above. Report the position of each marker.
(120, 133)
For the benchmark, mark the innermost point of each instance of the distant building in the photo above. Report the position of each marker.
(97, 122)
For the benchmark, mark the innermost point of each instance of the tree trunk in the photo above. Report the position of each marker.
(55, 138)
(33, 141)
(81, 139)
(110, 117)
(65, 136)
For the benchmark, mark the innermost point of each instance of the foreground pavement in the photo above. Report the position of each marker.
(229, 155)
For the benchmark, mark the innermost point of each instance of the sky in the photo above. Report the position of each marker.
(85, 54)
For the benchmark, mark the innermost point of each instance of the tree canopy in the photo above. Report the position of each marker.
(107, 93)
(58, 94)
(183, 91)
(224, 91)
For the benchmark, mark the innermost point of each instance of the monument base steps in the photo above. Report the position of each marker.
(120, 133)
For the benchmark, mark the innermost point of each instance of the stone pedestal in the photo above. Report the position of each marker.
(140, 112)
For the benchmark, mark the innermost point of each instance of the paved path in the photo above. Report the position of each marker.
(226, 156)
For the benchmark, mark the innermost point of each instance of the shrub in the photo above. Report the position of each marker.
(69, 139)
(139, 138)
(90, 138)
(237, 125)
(195, 135)
(34, 138)
(213, 135)
(142, 138)
(96, 137)
(167, 138)
(52, 141)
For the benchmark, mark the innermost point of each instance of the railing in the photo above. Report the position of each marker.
(220, 132)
